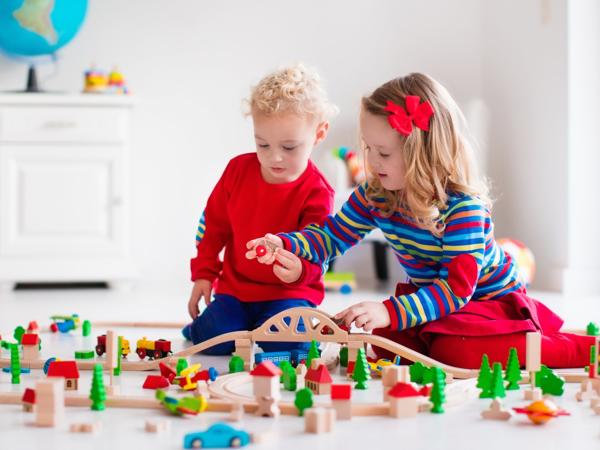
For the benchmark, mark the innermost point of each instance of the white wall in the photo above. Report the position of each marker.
(525, 88)
(583, 268)
(190, 63)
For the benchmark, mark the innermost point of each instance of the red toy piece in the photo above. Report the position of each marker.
(155, 382)
(261, 250)
(541, 411)
(167, 372)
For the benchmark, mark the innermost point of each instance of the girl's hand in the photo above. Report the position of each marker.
(287, 267)
(263, 249)
(202, 288)
(365, 315)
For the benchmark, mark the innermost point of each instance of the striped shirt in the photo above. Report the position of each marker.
(424, 256)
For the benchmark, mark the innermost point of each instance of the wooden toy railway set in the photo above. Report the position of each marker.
(427, 385)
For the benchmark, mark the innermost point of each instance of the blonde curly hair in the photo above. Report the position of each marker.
(294, 89)
(438, 161)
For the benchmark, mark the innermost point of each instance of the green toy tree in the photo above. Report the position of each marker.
(437, 396)
(15, 364)
(181, 365)
(513, 370)
(303, 400)
(362, 371)
(344, 356)
(484, 380)
(313, 353)
(18, 334)
(86, 328)
(549, 382)
(593, 329)
(236, 364)
(416, 371)
(289, 378)
(283, 365)
(497, 384)
(98, 392)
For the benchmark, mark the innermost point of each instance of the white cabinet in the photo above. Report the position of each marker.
(64, 206)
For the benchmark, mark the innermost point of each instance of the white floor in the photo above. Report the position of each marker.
(459, 427)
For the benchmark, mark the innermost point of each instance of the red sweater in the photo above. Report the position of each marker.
(243, 206)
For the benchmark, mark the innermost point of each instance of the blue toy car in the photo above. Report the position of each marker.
(219, 435)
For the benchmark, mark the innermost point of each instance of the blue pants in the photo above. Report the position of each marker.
(226, 313)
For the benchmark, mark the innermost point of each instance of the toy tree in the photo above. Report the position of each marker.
(289, 378)
(549, 382)
(497, 384)
(485, 378)
(437, 396)
(593, 329)
(313, 353)
(236, 364)
(303, 400)
(181, 364)
(283, 365)
(513, 370)
(15, 364)
(362, 371)
(18, 333)
(98, 393)
(344, 356)
(86, 328)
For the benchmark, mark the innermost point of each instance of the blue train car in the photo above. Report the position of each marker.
(275, 357)
(298, 356)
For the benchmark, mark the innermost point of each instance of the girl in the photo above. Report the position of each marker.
(463, 298)
(275, 188)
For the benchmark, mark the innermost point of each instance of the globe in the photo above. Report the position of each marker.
(34, 29)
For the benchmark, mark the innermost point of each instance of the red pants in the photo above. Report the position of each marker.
(491, 327)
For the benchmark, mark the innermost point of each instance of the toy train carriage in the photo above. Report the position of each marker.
(160, 348)
(295, 357)
(101, 346)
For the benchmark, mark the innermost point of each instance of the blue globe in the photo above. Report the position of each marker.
(33, 28)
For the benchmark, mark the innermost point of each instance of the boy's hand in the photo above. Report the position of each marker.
(365, 315)
(202, 288)
(263, 249)
(288, 267)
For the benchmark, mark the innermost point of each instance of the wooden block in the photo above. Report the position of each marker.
(157, 426)
(586, 391)
(237, 412)
(496, 412)
(404, 407)
(343, 409)
(353, 347)
(267, 407)
(319, 420)
(50, 402)
(533, 356)
(85, 427)
(533, 394)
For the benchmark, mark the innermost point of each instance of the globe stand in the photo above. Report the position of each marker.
(32, 84)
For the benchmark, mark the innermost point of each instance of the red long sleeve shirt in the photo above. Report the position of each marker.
(243, 206)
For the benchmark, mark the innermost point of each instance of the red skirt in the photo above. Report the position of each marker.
(491, 327)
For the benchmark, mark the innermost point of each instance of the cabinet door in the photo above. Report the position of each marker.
(61, 200)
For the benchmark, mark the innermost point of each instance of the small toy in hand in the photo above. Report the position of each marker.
(261, 250)
(264, 247)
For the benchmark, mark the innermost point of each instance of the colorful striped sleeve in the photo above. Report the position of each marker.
(338, 233)
(463, 246)
(201, 228)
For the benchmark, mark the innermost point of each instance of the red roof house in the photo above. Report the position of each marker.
(66, 369)
(265, 380)
(318, 379)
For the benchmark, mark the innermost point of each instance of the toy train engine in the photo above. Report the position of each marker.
(160, 348)
(101, 346)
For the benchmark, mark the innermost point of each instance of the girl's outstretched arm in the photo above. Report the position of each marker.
(320, 243)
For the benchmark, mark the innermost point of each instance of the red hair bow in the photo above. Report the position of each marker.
(418, 114)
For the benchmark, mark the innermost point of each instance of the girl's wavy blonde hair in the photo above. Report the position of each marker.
(296, 89)
(438, 161)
